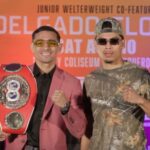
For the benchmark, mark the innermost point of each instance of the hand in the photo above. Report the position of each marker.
(59, 98)
(130, 95)
(3, 135)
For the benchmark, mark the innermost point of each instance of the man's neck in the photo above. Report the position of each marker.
(45, 67)
(110, 66)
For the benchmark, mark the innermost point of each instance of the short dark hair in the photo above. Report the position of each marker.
(45, 28)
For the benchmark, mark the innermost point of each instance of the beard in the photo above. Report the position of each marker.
(108, 61)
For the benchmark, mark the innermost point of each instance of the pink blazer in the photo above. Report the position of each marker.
(54, 124)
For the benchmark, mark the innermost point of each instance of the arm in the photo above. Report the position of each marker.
(74, 119)
(3, 135)
(130, 95)
(141, 97)
(85, 140)
(145, 105)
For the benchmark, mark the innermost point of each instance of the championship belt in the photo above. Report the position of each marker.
(18, 92)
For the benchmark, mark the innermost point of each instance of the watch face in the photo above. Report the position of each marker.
(14, 120)
(14, 91)
(65, 109)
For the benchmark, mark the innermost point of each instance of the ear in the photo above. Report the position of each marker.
(123, 43)
(32, 47)
(95, 45)
(59, 47)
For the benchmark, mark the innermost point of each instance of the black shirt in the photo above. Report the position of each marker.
(43, 85)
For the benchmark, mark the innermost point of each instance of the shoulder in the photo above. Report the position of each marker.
(93, 77)
(133, 66)
(69, 82)
(93, 74)
(135, 69)
(66, 76)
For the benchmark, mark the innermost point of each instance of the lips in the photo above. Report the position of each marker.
(108, 54)
(45, 54)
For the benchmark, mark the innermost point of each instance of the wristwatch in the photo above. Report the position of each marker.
(64, 110)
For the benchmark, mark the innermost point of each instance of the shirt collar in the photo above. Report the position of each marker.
(36, 71)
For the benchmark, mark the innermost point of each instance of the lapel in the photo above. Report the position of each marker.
(57, 82)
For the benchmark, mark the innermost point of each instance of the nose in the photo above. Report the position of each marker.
(45, 46)
(108, 45)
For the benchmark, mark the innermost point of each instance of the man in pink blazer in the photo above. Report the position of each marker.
(59, 108)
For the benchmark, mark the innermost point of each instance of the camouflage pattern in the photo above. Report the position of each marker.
(115, 26)
(118, 125)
